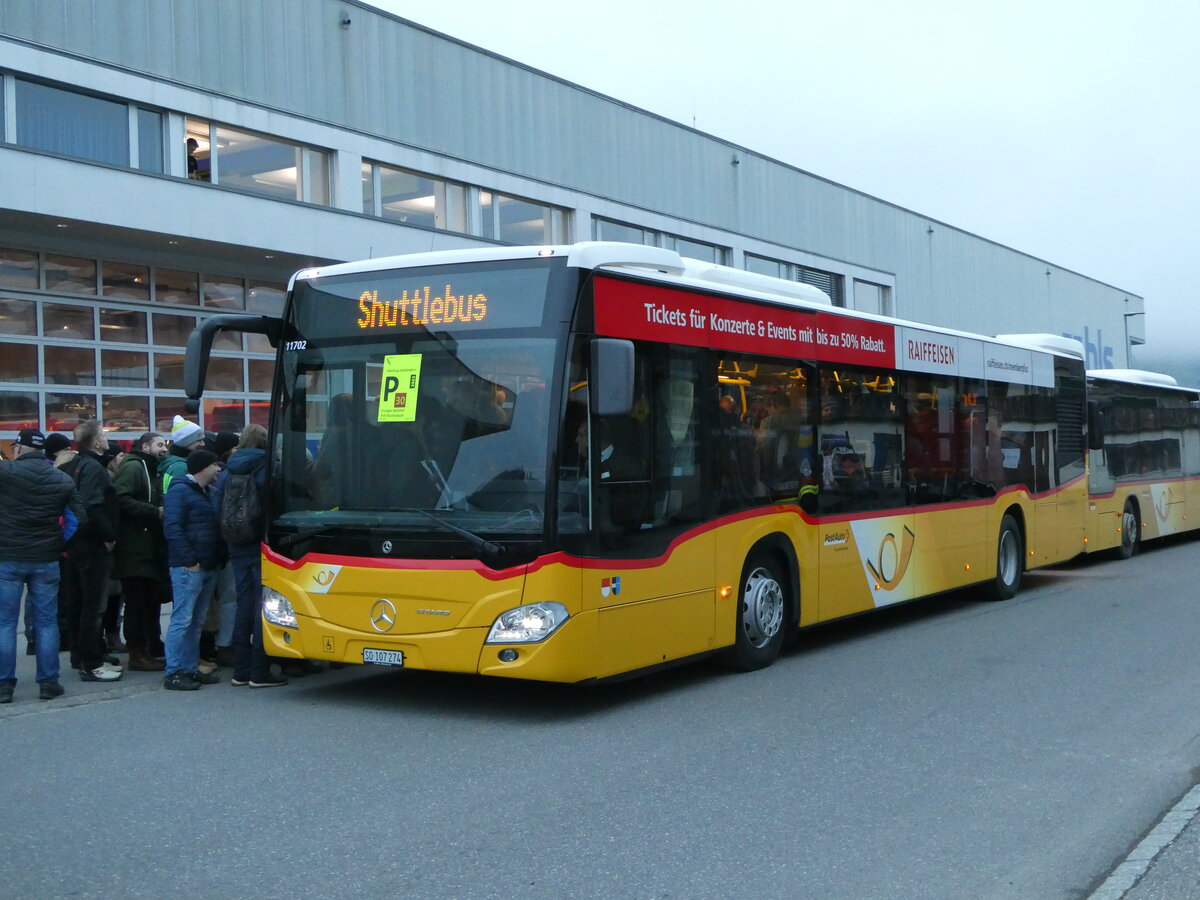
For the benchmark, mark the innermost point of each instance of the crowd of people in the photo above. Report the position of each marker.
(99, 537)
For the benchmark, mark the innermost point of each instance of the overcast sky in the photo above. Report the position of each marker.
(1064, 129)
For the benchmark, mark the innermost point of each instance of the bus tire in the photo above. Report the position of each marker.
(1010, 558)
(761, 615)
(1131, 531)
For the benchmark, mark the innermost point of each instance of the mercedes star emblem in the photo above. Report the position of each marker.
(383, 615)
(387, 546)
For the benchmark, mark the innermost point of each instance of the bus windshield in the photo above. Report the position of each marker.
(412, 419)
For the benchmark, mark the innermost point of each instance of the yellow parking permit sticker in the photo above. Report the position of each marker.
(398, 395)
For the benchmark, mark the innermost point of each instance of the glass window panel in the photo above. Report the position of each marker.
(168, 371)
(165, 411)
(18, 363)
(126, 413)
(265, 298)
(18, 410)
(58, 121)
(255, 163)
(62, 321)
(178, 288)
(224, 374)
(125, 325)
(18, 317)
(126, 282)
(65, 411)
(173, 331)
(407, 197)
(316, 168)
(67, 274)
(19, 269)
(261, 371)
(522, 222)
(260, 413)
(224, 292)
(150, 140)
(698, 250)
(258, 343)
(198, 149)
(763, 266)
(223, 414)
(124, 368)
(368, 189)
(70, 365)
(616, 231)
(227, 340)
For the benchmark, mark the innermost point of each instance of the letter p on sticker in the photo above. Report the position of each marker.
(390, 383)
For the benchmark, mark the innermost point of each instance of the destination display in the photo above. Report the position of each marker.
(649, 312)
(399, 300)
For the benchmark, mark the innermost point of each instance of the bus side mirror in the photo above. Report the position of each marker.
(200, 341)
(1095, 429)
(611, 385)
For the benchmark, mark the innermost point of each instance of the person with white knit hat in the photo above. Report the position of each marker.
(185, 437)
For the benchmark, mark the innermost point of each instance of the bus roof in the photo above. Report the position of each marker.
(1142, 378)
(668, 267)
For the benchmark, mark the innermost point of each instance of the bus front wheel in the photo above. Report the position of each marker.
(1131, 531)
(1009, 560)
(761, 613)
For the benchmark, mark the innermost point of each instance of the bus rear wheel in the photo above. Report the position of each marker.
(761, 613)
(1131, 532)
(1009, 560)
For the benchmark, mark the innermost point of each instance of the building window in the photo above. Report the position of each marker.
(18, 363)
(224, 293)
(256, 163)
(125, 282)
(68, 322)
(73, 124)
(831, 283)
(607, 230)
(70, 123)
(19, 269)
(18, 317)
(177, 288)
(872, 298)
(69, 275)
(515, 221)
(413, 198)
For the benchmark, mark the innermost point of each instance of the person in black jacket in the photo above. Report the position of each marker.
(89, 557)
(195, 555)
(36, 498)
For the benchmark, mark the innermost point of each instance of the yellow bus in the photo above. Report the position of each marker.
(580, 462)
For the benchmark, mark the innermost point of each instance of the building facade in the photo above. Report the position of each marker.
(164, 160)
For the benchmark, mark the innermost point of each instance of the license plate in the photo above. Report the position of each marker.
(383, 657)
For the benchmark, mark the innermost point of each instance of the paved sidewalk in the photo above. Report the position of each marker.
(1165, 865)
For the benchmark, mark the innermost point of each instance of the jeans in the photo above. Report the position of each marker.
(86, 597)
(250, 660)
(42, 581)
(191, 592)
(227, 599)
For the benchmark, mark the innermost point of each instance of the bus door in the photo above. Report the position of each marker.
(655, 599)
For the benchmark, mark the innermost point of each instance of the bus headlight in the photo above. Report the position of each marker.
(278, 609)
(527, 624)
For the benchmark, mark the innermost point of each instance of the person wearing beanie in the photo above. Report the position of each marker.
(185, 437)
(55, 443)
(195, 554)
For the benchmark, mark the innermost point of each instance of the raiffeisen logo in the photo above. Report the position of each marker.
(836, 537)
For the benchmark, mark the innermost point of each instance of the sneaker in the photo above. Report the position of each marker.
(6, 690)
(112, 667)
(203, 677)
(101, 674)
(239, 682)
(48, 690)
(179, 681)
(207, 666)
(268, 681)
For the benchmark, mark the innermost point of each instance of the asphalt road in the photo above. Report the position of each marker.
(951, 748)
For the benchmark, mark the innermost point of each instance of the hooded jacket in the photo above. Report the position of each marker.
(35, 496)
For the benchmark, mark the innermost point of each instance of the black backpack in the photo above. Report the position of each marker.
(242, 513)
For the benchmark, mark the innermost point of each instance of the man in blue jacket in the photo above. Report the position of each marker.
(35, 497)
(195, 554)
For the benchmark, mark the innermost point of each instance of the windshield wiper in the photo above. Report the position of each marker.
(489, 551)
(290, 539)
